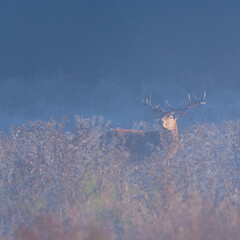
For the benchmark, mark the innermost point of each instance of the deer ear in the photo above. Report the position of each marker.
(179, 114)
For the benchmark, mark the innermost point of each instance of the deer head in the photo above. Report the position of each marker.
(169, 118)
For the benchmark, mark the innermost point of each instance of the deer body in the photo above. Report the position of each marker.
(135, 142)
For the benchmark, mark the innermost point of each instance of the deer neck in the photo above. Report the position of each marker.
(170, 141)
(171, 133)
(175, 132)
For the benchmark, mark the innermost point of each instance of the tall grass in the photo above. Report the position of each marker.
(65, 185)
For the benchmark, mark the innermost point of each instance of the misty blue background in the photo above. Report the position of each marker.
(100, 57)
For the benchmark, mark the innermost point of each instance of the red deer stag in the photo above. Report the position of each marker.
(139, 143)
(169, 131)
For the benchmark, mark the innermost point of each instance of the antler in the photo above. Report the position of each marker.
(190, 105)
(156, 108)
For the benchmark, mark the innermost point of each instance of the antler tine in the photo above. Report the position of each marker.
(195, 98)
(203, 98)
(196, 102)
(169, 105)
(189, 99)
(149, 104)
(149, 101)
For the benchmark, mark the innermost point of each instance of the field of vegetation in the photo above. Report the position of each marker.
(58, 185)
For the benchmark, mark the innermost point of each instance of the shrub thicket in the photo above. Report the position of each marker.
(63, 185)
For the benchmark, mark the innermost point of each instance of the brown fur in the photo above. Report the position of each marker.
(142, 143)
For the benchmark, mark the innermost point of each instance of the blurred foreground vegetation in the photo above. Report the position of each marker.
(65, 185)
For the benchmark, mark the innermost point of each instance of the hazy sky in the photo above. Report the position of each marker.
(102, 56)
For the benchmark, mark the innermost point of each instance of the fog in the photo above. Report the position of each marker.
(67, 58)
